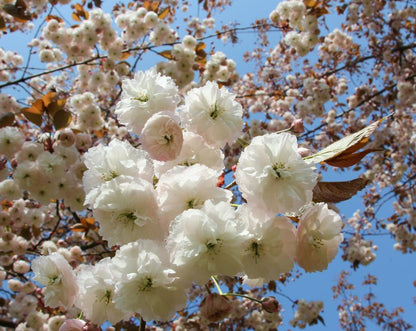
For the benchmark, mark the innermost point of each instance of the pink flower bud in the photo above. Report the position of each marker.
(72, 325)
(270, 304)
(215, 307)
(297, 126)
(304, 151)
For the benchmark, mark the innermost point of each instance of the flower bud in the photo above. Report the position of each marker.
(297, 126)
(270, 304)
(215, 307)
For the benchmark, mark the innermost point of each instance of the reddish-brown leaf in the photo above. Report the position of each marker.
(18, 11)
(53, 17)
(346, 145)
(2, 24)
(349, 159)
(6, 119)
(79, 228)
(333, 192)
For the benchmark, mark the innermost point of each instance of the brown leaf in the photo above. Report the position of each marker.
(348, 159)
(79, 8)
(155, 5)
(310, 3)
(48, 98)
(125, 55)
(34, 118)
(55, 106)
(36, 231)
(62, 119)
(6, 119)
(18, 11)
(78, 228)
(89, 220)
(333, 192)
(346, 145)
(2, 24)
(163, 13)
(200, 46)
(75, 17)
(147, 5)
(166, 54)
(34, 113)
(53, 17)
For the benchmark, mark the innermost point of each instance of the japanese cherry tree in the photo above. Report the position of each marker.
(187, 194)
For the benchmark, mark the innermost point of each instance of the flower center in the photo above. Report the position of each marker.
(55, 280)
(279, 170)
(215, 111)
(127, 217)
(316, 242)
(107, 297)
(146, 284)
(214, 247)
(109, 176)
(256, 248)
(194, 203)
(143, 97)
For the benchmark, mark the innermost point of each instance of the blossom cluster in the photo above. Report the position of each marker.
(174, 226)
(294, 13)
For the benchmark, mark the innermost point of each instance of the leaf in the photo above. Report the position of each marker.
(125, 55)
(75, 17)
(79, 8)
(166, 54)
(346, 145)
(6, 119)
(55, 106)
(2, 24)
(34, 113)
(147, 5)
(333, 192)
(201, 45)
(155, 5)
(347, 160)
(163, 13)
(48, 98)
(310, 3)
(89, 220)
(53, 17)
(32, 117)
(78, 228)
(62, 119)
(18, 11)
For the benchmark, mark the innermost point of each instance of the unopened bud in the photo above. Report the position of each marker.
(72, 325)
(297, 126)
(270, 304)
(304, 151)
(215, 307)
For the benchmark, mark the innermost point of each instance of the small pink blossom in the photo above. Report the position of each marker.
(162, 137)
